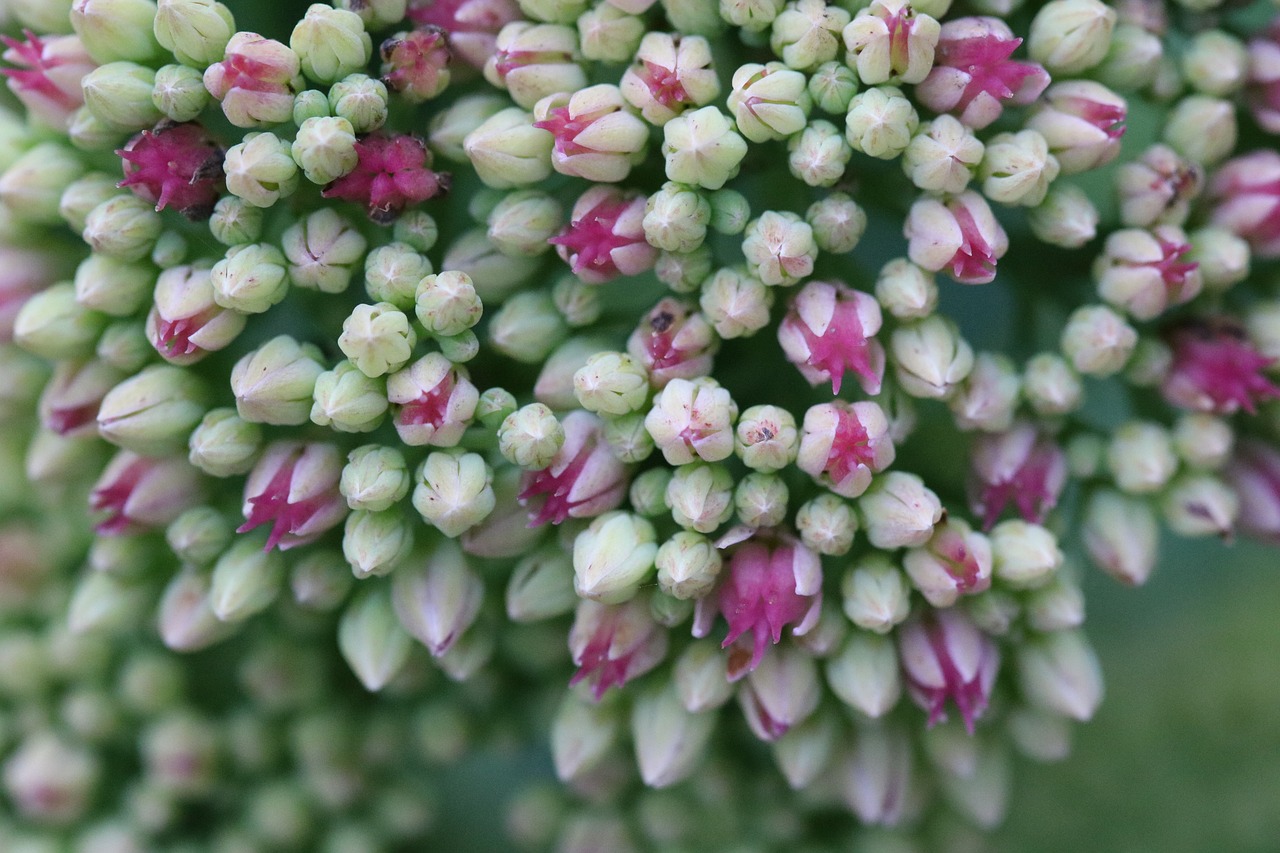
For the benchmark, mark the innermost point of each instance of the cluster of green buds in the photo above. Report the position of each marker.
(691, 386)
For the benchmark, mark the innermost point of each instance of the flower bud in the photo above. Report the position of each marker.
(1070, 36)
(669, 740)
(153, 412)
(195, 31)
(245, 581)
(807, 34)
(735, 303)
(50, 780)
(973, 76)
(1121, 536)
(250, 278)
(320, 581)
(119, 95)
(1017, 168)
(50, 69)
(700, 497)
(596, 138)
(864, 674)
(1097, 340)
(347, 400)
(779, 248)
(691, 421)
(138, 492)
(294, 486)
(766, 438)
(508, 150)
(955, 561)
(844, 444)
(613, 556)
(454, 491)
(526, 327)
(891, 41)
(70, 401)
(876, 596)
(1140, 457)
(433, 401)
(115, 29)
(930, 359)
(371, 639)
(275, 383)
(255, 81)
(1203, 440)
(199, 535)
(827, 525)
(234, 221)
(325, 148)
(818, 154)
(523, 222)
(223, 444)
(608, 34)
(330, 43)
(33, 186)
(900, 512)
(437, 602)
(53, 325)
(942, 156)
(1057, 606)
(1059, 673)
(614, 644)
(781, 693)
(1201, 505)
(125, 227)
(702, 148)
(1222, 256)
(961, 235)
(1066, 217)
(880, 122)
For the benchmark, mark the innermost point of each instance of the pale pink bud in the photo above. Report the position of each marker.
(829, 330)
(433, 401)
(960, 235)
(843, 444)
(584, 479)
(294, 486)
(1216, 368)
(1143, 272)
(596, 137)
(472, 25)
(69, 404)
(672, 73)
(392, 173)
(1083, 123)
(692, 420)
(255, 81)
(605, 236)
(437, 600)
(185, 323)
(955, 561)
(415, 64)
(891, 41)
(1019, 466)
(673, 342)
(612, 644)
(138, 492)
(781, 693)
(945, 657)
(1247, 191)
(23, 273)
(1158, 187)
(1254, 473)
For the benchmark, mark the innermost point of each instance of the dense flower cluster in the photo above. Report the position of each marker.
(574, 369)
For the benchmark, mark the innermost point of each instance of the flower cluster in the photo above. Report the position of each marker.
(579, 367)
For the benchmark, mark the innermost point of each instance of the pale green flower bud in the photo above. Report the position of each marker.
(906, 291)
(199, 535)
(1133, 60)
(325, 148)
(115, 29)
(880, 122)
(33, 186)
(554, 385)
(195, 31)
(261, 170)
(1222, 255)
(1017, 168)
(494, 275)
(1200, 505)
(392, 273)
(930, 358)
(330, 43)
(371, 639)
(865, 674)
(832, 86)
(322, 250)
(104, 603)
(579, 303)
(751, 15)
(611, 383)
(376, 14)
(899, 511)
(700, 677)
(1058, 606)
(80, 196)
(530, 437)
(1141, 458)
(676, 218)
(1059, 673)
(235, 221)
(1121, 535)
(184, 618)
(670, 742)
(838, 223)
(374, 543)
(648, 492)
(779, 248)
(1097, 340)
(446, 304)
(892, 41)
(112, 286)
(701, 148)
(42, 16)
(688, 565)
(761, 500)
(768, 102)
(451, 125)
(942, 156)
(989, 395)
(876, 595)
(1070, 36)
(1202, 440)
(1202, 129)
(582, 734)
(537, 60)
(493, 407)
(417, 230)
(1215, 63)
(375, 478)
(348, 400)
(154, 412)
(827, 525)
(522, 222)
(766, 438)
(274, 383)
(170, 250)
(320, 581)
(598, 138)
(527, 326)
(454, 491)
(124, 227)
(807, 33)
(250, 278)
(700, 497)
(1066, 217)
(608, 34)
(125, 346)
(735, 303)
(119, 95)
(309, 104)
(541, 587)
(245, 580)
(1051, 386)
(1024, 555)
(224, 444)
(53, 325)
(818, 154)
(361, 100)
(179, 92)
(730, 211)
(684, 272)
(613, 557)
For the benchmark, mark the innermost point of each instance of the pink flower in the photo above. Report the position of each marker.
(175, 164)
(959, 235)
(48, 81)
(1254, 473)
(765, 590)
(432, 401)
(605, 236)
(1021, 466)
(294, 486)
(945, 657)
(673, 342)
(415, 63)
(70, 402)
(612, 644)
(843, 444)
(23, 273)
(255, 81)
(584, 479)
(185, 324)
(391, 174)
(973, 76)
(1216, 368)
(830, 330)
(138, 492)
(472, 25)
(1247, 190)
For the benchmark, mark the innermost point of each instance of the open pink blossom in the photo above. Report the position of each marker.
(1019, 466)
(973, 76)
(843, 444)
(946, 658)
(584, 479)
(432, 401)
(1216, 368)
(294, 488)
(673, 342)
(765, 589)
(605, 236)
(614, 643)
(959, 235)
(47, 80)
(392, 173)
(829, 331)
(178, 165)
